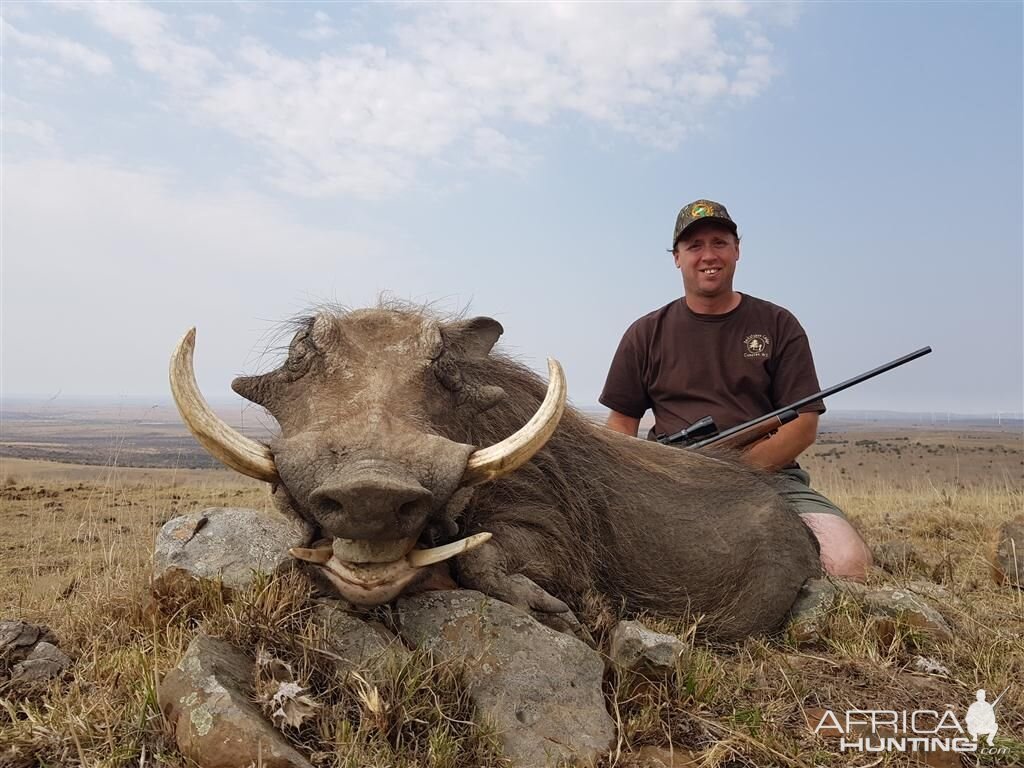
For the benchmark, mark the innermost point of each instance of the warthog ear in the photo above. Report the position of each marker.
(252, 388)
(324, 331)
(474, 337)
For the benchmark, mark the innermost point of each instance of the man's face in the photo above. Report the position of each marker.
(707, 258)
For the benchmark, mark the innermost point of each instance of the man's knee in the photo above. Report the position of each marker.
(843, 552)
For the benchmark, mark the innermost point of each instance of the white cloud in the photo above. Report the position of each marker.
(40, 72)
(361, 119)
(34, 130)
(494, 149)
(205, 24)
(321, 30)
(155, 47)
(68, 51)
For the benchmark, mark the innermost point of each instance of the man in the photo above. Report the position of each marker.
(716, 352)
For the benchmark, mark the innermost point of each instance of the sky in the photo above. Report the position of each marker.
(229, 165)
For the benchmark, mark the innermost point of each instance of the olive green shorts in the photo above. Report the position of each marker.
(795, 485)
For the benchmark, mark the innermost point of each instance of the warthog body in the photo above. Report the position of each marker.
(380, 409)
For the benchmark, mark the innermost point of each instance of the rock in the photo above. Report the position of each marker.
(899, 557)
(18, 638)
(925, 685)
(929, 589)
(635, 647)
(929, 666)
(29, 653)
(887, 607)
(661, 757)
(541, 688)
(230, 544)
(940, 759)
(810, 611)
(797, 662)
(813, 717)
(355, 644)
(890, 606)
(206, 699)
(1008, 553)
(45, 662)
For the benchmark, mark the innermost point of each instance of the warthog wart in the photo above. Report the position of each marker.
(406, 441)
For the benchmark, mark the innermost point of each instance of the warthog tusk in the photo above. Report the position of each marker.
(319, 555)
(224, 443)
(376, 583)
(420, 558)
(515, 450)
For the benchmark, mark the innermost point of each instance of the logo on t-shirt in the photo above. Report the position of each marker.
(756, 345)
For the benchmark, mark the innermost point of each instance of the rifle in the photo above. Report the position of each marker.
(703, 432)
(999, 697)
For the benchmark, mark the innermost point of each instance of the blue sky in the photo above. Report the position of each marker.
(226, 165)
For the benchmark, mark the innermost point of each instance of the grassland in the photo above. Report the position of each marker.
(75, 554)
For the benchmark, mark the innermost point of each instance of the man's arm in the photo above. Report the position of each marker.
(620, 422)
(784, 446)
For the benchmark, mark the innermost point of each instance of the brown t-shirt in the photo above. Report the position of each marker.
(732, 367)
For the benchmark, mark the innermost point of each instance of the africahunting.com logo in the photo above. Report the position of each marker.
(921, 730)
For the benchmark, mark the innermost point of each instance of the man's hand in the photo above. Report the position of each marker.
(784, 446)
(619, 422)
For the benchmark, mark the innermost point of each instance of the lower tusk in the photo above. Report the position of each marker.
(420, 558)
(376, 583)
(320, 555)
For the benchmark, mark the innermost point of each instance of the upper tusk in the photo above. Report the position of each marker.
(419, 558)
(224, 443)
(517, 449)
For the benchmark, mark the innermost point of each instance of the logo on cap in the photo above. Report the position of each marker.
(697, 210)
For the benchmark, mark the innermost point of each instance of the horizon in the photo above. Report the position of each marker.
(228, 403)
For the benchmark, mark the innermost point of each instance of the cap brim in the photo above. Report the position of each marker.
(727, 223)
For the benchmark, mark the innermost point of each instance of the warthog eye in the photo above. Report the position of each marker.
(448, 373)
(300, 353)
(464, 392)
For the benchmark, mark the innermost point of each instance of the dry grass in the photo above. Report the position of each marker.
(75, 555)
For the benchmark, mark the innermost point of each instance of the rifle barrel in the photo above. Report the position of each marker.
(1000, 696)
(858, 379)
(819, 395)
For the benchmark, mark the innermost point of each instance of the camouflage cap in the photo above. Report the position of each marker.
(700, 210)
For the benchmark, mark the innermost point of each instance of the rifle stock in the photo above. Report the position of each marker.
(749, 435)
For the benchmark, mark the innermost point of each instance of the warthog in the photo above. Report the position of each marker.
(406, 441)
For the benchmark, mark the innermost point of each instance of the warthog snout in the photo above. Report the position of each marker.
(372, 505)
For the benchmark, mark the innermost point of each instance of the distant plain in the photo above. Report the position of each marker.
(896, 450)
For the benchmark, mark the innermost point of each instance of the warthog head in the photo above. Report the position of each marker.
(368, 404)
